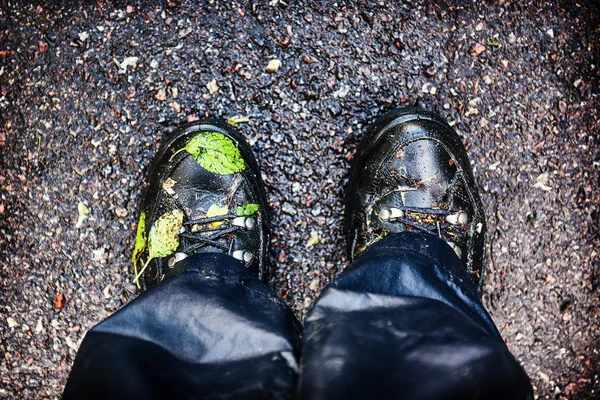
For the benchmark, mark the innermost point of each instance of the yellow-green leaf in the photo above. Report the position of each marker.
(83, 211)
(314, 239)
(238, 119)
(216, 153)
(216, 211)
(247, 210)
(163, 239)
(164, 234)
(492, 41)
(140, 239)
(141, 242)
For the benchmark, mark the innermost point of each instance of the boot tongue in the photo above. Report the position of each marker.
(427, 171)
(210, 201)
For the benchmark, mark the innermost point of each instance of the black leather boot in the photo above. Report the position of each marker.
(411, 172)
(203, 193)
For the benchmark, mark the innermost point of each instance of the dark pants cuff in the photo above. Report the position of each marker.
(405, 321)
(213, 330)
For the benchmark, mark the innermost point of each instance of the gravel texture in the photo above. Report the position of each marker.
(88, 91)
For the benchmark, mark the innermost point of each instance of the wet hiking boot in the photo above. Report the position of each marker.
(411, 173)
(203, 193)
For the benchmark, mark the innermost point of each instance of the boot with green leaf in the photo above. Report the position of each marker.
(203, 193)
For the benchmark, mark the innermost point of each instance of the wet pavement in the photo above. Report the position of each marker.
(88, 91)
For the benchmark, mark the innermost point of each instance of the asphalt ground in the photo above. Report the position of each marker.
(87, 91)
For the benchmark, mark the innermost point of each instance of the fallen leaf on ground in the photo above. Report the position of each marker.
(59, 301)
(477, 49)
(82, 211)
(541, 182)
(238, 119)
(314, 285)
(314, 239)
(310, 60)
(161, 95)
(492, 41)
(212, 87)
(127, 62)
(43, 46)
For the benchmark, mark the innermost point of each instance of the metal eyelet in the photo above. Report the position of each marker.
(460, 218)
(242, 255)
(390, 214)
(175, 259)
(244, 222)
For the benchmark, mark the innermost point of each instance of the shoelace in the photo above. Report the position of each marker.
(420, 226)
(397, 214)
(204, 238)
(211, 240)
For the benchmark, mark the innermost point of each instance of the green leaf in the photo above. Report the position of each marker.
(246, 210)
(141, 241)
(216, 153)
(492, 41)
(163, 239)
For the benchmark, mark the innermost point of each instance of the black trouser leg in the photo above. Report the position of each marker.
(405, 322)
(212, 330)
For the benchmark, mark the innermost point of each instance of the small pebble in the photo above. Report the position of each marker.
(273, 66)
(11, 322)
(288, 209)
